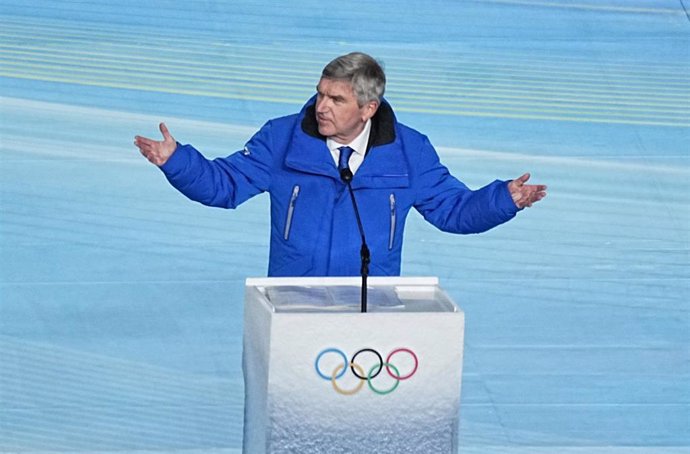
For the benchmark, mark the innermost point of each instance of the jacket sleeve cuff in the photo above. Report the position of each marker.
(178, 162)
(504, 201)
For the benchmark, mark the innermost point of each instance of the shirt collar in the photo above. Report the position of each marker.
(359, 145)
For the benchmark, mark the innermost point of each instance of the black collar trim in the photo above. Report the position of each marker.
(382, 125)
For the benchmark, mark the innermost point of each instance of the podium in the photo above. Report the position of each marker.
(322, 377)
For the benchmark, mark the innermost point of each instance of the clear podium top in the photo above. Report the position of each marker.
(347, 298)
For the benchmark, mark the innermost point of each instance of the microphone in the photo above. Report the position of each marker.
(346, 175)
(365, 256)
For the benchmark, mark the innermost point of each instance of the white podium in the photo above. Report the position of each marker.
(322, 377)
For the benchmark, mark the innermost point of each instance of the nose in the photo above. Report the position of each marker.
(321, 104)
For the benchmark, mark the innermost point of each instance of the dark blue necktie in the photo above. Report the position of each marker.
(344, 159)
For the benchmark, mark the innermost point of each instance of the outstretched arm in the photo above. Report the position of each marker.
(524, 195)
(222, 182)
(158, 152)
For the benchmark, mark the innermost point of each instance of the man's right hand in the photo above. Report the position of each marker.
(156, 151)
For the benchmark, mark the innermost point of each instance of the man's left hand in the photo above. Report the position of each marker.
(524, 195)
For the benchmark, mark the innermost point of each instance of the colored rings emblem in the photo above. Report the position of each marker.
(367, 376)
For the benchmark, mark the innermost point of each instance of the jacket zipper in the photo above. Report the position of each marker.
(291, 210)
(392, 231)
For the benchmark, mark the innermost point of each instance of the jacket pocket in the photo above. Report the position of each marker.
(391, 236)
(290, 212)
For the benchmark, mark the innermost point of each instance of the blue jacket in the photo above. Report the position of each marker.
(313, 227)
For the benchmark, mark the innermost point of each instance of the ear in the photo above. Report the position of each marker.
(369, 110)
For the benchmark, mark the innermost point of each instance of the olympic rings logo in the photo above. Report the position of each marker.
(363, 375)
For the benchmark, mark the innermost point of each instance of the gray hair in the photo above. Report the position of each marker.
(362, 71)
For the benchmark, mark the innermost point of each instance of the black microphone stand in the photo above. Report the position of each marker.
(365, 256)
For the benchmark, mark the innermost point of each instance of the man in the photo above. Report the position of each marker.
(296, 158)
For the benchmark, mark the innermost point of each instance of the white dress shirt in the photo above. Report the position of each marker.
(359, 145)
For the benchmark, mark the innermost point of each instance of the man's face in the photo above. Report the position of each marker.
(337, 112)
